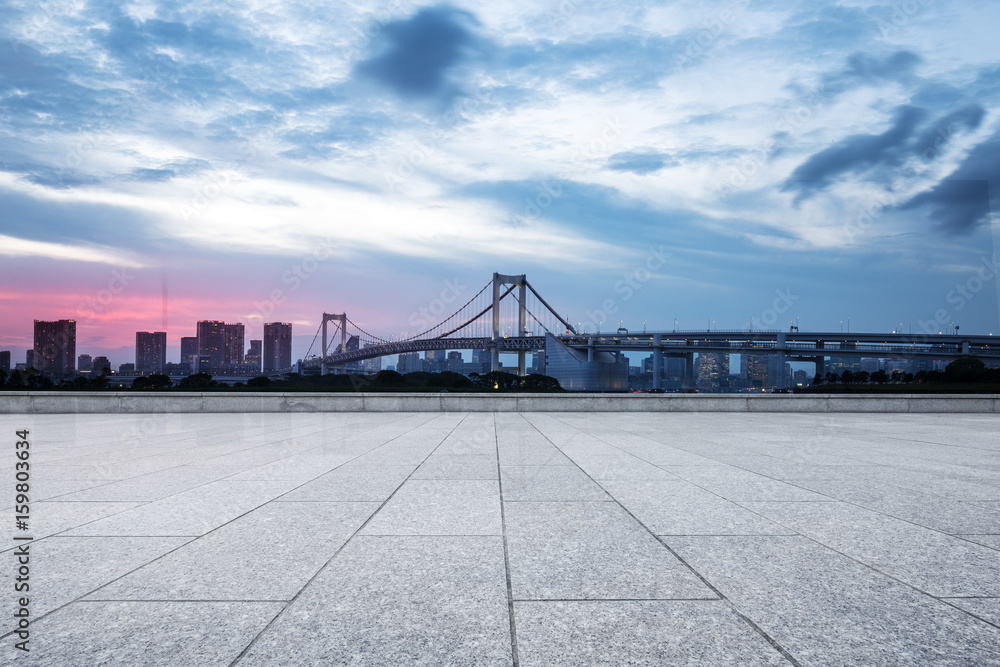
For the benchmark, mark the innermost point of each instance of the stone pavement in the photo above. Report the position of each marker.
(538, 539)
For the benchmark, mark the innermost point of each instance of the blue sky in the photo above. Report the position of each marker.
(813, 160)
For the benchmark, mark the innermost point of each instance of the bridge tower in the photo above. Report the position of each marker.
(500, 280)
(342, 320)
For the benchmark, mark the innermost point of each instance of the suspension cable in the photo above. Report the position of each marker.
(318, 329)
(475, 317)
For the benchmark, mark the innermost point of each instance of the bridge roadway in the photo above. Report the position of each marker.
(798, 346)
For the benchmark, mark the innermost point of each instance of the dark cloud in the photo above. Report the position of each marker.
(80, 223)
(640, 162)
(936, 137)
(856, 153)
(417, 56)
(964, 200)
(868, 70)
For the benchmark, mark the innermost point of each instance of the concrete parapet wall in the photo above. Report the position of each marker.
(63, 402)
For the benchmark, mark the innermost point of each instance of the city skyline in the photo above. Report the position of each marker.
(676, 161)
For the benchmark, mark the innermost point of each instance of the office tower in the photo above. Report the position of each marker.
(233, 349)
(436, 360)
(150, 351)
(212, 344)
(674, 368)
(127, 368)
(408, 362)
(5, 361)
(255, 354)
(101, 363)
(29, 359)
(55, 347)
(840, 364)
(277, 346)
(84, 363)
(754, 370)
(373, 365)
(483, 360)
(712, 369)
(189, 349)
(454, 362)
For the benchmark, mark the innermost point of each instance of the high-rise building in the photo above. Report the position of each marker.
(127, 368)
(277, 346)
(150, 351)
(212, 343)
(373, 365)
(408, 362)
(753, 368)
(255, 354)
(437, 360)
(84, 363)
(483, 360)
(233, 350)
(712, 369)
(5, 361)
(29, 358)
(101, 363)
(55, 347)
(454, 362)
(189, 349)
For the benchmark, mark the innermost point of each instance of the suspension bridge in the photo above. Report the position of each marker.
(509, 316)
(494, 319)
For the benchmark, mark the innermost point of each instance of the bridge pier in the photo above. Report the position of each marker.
(657, 361)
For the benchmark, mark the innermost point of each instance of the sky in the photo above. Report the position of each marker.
(824, 163)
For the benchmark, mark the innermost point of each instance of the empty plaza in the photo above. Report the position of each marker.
(531, 539)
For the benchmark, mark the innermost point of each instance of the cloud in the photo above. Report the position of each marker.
(855, 153)
(419, 54)
(936, 137)
(964, 199)
(868, 70)
(640, 162)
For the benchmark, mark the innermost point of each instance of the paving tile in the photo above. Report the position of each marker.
(156, 485)
(992, 541)
(300, 467)
(193, 512)
(680, 508)
(619, 468)
(925, 509)
(268, 554)
(66, 568)
(527, 453)
(693, 633)
(454, 467)
(398, 601)
(152, 634)
(50, 517)
(559, 483)
(941, 565)
(586, 551)
(352, 482)
(988, 609)
(440, 507)
(786, 470)
(739, 485)
(827, 609)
